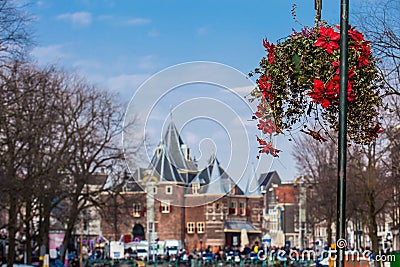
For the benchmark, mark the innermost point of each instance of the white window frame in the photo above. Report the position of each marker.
(195, 187)
(234, 207)
(242, 208)
(165, 207)
(168, 190)
(136, 209)
(190, 227)
(201, 227)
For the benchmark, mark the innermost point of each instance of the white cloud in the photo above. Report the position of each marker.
(153, 33)
(87, 64)
(201, 31)
(77, 18)
(147, 62)
(49, 54)
(105, 17)
(137, 21)
(126, 84)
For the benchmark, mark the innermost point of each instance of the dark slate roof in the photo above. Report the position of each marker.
(270, 177)
(163, 169)
(133, 182)
(237, 226)
(216, 184)
(169, 162)
(217, 180)
(173, 145)
(205, 174)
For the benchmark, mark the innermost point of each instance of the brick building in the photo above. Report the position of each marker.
(173, 199)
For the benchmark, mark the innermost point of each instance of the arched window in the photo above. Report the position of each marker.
(138, 231)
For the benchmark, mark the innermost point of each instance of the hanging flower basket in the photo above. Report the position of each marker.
(298, 87)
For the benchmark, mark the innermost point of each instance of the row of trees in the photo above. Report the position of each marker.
(373, 176)
(57, 132)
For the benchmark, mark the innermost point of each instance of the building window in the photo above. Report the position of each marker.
(151, 188)
(200, 227)
(168, 190)
(158, 151)
(195, 187)
(136, 210)
(242, 208)
(232, 209)
(165, 207)
(187, 154)
(190, 227)
(232, 189)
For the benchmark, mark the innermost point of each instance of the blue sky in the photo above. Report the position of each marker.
(117, 45)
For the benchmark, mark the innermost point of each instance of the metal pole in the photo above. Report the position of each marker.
(81, 245)
(342, 147)
(300, 217)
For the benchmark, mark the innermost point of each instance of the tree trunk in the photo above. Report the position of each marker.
(329, 230)
(45, 224)
(12, 213)
(72, 220)
(373, 226)
(28, 244)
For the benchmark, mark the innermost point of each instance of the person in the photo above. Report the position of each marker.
(255, 247)
(75, 262)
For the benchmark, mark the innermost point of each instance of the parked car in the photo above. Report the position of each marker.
(323, 259)
(19, 265)
(253, 256)
(233, 256)
(142, 254)
(207, 256)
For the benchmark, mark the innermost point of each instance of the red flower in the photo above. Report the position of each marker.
(333, 87)
(265, 86)
(328, 39)
(350, 95)
(355, 35)
(260, 111)
(329, 94)
(270, 48)
(316, 135)
(363, 60)
(373, 132)
(334, 82)
(267, 148)
(266, 126)
(318, 95)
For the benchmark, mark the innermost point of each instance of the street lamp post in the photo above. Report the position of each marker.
(342, 144)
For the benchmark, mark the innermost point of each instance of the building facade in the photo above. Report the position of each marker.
(173, 199)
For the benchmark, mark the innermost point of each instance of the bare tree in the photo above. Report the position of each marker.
(318, 161)
(15, 36)
(56, 135)
(380, 24)
(372, 185)
(26, 117)
(95, 123)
